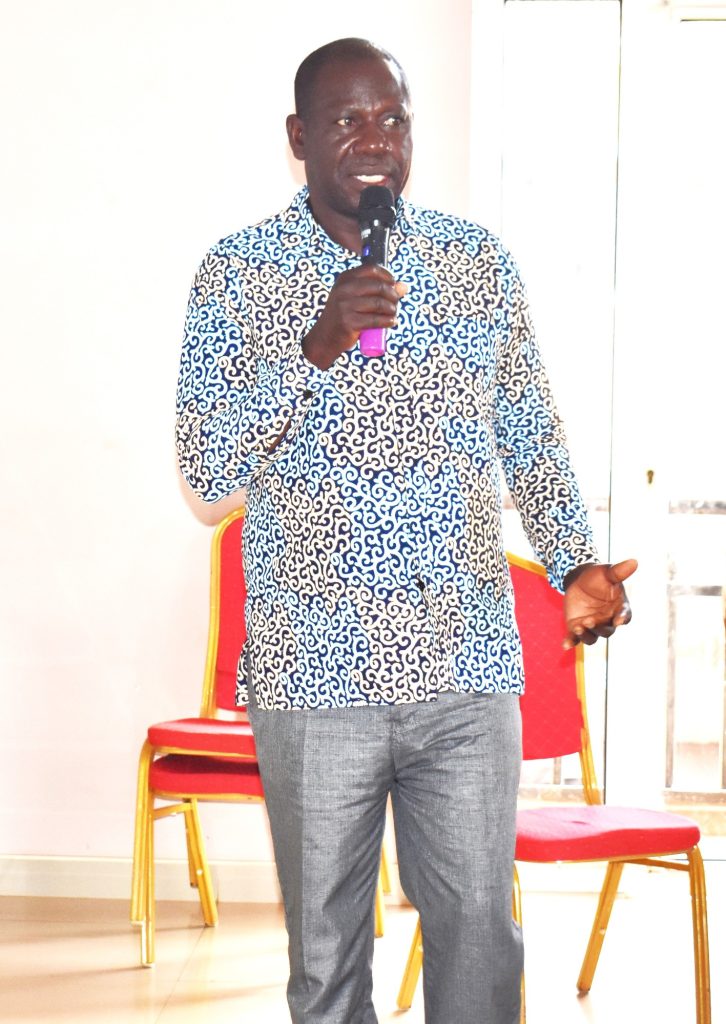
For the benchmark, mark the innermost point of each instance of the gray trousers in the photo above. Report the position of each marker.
(452, 770)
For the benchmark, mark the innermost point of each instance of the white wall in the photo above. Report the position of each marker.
(137, 135)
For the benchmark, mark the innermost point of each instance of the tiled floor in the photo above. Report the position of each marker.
(77, 961)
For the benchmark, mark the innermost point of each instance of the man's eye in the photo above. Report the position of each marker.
(345, 122)
(393, 121)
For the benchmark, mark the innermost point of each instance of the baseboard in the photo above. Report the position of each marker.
(110, 878)
(236, 881)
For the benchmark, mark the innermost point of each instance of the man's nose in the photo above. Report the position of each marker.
(372, 138)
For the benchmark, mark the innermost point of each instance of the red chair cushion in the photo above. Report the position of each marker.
(585, 832)
(203, 735)
(183, 775)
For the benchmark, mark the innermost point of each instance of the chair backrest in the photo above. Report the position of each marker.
(554, 716)
(226, 617)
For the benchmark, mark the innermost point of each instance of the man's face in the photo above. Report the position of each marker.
(356, 132)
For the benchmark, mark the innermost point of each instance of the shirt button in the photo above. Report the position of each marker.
(307, 393)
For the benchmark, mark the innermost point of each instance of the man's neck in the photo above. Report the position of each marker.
(343, 230)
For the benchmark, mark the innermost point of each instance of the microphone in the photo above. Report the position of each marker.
(376, 214)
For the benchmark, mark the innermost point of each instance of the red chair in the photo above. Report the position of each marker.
(554, 723)
(209, 758)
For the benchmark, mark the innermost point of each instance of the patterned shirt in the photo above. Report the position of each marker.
(374, 558)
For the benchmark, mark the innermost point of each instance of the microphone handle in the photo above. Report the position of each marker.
(375, 244)
(372, 341)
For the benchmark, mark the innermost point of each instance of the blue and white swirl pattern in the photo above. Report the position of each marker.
(373, 548)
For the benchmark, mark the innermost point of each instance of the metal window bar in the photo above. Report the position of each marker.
(674, 592)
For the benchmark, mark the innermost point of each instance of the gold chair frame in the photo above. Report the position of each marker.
(143, 903)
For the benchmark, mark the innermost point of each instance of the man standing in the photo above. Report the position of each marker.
(382, 654)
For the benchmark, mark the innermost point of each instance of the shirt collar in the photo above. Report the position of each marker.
(300, 228)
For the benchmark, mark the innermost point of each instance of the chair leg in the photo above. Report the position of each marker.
(192, 864)
(148, 898)
(140, 825)
(385, 873)
(517, 915)
(383, 885)
(379, 910)
(607, 897)
(199, 865)
(700, 936)
(412, 971)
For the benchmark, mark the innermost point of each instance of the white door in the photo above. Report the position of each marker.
(669, 474)
(603, 168)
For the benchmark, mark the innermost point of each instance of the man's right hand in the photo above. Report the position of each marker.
(366, 296)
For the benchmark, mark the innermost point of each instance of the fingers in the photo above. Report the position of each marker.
(585, 636)
(589, 634)
(588, 631)
(596, 603)
(361, 298)
(366, 297)
(622, 570)
(623, 617)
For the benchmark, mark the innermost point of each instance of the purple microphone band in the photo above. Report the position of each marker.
(373, 341)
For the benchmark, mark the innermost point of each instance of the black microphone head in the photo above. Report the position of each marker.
(376, 203)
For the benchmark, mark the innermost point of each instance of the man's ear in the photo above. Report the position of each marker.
(296, 136)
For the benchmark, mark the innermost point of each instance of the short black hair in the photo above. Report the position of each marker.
(340, 49)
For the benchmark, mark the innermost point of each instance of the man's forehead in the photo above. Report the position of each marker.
(340, 80)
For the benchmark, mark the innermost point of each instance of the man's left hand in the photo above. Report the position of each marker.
(596, 602)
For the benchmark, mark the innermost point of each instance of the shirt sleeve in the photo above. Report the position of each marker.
(232, 404)
(533, 449)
